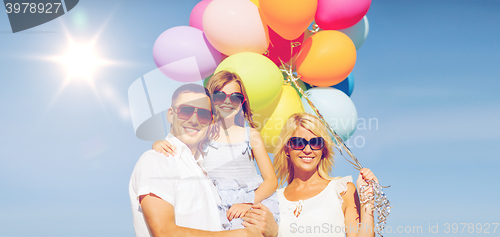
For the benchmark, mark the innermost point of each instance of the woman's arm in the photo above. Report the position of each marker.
(164, 147)
(358, 218)
(270, 184)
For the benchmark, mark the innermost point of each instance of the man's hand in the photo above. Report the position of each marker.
(238, 210)
(263, 219)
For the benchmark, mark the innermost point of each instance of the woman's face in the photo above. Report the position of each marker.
(305, 160)
(226, 109)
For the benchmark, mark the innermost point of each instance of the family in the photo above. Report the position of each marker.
(201, 180)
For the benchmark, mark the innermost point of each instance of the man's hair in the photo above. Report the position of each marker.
(189, 88)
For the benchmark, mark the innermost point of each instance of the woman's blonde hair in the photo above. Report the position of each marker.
(221, 79)
(282, 163)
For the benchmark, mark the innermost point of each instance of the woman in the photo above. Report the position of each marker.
(313, 203)
(229, 156)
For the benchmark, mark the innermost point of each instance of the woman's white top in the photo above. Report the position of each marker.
(320, 215)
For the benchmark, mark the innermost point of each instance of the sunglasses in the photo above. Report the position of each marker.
(185, 112)
(299, 143)
(236, 98)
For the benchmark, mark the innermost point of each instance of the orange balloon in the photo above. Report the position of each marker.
(288, 18)
(326, 59)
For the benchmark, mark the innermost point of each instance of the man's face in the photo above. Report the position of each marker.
(189, 130)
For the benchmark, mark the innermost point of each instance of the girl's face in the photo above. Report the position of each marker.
(227, 109)
(305, 160)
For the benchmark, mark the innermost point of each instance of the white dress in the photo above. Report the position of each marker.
(232, 170)
(320, 215)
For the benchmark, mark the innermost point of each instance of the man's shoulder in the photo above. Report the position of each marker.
(154, 158)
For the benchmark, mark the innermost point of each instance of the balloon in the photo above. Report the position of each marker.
(196, 17)
(346, 85)
(234, 26)
(340, 14)
(336, 107)
(256, 2)
(271, 119)
(301, 84)
(262, 79)
(281, 49)
(358, 32)
(288, 18)
(326, 59)
(184, 54)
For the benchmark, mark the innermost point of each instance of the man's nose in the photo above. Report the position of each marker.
(193, 120)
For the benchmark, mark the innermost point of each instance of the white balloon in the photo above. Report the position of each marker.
(358, 32)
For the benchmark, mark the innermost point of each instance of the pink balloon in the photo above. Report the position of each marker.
(196, 17)
(184, 54)
(234, 26)
(340, 14)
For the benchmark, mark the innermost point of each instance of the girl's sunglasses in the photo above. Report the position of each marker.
(236, 98)
(299, 143)
(185, 112)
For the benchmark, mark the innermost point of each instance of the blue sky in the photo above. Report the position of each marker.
(427, 73)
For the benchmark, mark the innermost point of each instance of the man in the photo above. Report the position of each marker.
(173, 196)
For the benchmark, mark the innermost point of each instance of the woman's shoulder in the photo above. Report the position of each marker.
(340, 185)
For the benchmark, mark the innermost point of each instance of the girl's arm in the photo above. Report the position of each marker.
(358, 218)
(270, 184)
(164, 147)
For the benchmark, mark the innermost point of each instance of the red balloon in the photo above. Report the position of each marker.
(281, 48)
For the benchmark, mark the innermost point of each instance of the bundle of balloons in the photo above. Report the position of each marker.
(275, 46)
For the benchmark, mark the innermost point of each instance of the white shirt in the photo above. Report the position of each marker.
(321, 215)
(180, 181)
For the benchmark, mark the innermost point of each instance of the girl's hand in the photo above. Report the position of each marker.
(164, 147)
(238, 210)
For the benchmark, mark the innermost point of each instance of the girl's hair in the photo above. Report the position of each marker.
(221, 79)
(282, 163)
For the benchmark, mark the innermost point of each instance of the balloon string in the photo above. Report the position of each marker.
(340, 143)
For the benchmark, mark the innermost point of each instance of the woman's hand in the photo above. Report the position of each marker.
(365, 175)
(164, 147)
(262, 218)
(238, 210)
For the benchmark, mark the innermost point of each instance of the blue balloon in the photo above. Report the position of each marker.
(347, 85)
(336, 107)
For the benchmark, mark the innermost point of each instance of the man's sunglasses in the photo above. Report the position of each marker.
(236, 98)
(299, 143)
(185, 112)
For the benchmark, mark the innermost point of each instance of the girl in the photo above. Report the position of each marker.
(303, 159)
(228, 158)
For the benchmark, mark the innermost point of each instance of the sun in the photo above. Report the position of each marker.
(81, 61)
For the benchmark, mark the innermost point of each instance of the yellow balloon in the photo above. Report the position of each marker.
(256, 2)
(271, 119)
(261, 77)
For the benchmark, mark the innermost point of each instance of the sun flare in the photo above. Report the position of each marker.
(81, 61)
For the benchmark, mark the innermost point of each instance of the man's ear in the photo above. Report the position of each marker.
(170, 115)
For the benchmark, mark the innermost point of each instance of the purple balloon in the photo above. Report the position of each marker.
(184, 54)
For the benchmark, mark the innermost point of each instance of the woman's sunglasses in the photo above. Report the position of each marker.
(299, 143)
(236, 98)
(185, 112)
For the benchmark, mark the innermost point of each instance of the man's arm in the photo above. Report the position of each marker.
(160, 217)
